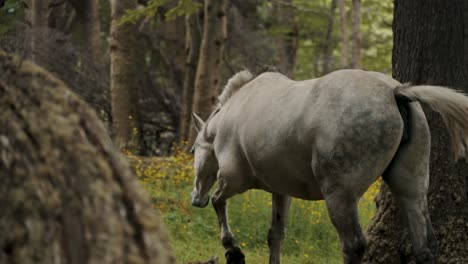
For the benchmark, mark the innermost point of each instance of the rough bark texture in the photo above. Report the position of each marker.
(430, 47)
(127, 61)
(192, 49)
(288, 40)
(344, 34)
(211, 53)
(327, 49)
(66, 195)
(356, 37)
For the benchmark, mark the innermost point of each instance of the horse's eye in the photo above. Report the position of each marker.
(192, 150)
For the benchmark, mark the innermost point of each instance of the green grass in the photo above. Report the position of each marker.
(194, 235)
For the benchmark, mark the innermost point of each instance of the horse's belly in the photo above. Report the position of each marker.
(299, 184)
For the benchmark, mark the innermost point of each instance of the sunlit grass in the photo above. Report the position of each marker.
(194, 234)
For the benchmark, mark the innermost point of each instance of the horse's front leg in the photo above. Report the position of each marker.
(233, 253)
(279, 219)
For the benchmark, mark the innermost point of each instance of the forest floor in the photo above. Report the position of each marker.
(194, 235)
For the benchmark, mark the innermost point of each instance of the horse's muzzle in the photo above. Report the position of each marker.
(200, 202)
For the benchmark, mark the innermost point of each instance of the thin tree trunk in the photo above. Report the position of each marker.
(127, 62)
(426, 52)
(327, 49)
(192, 49)
(356, 37)
(344, 34)
(39, 15)
(88, 15)
(58, 16)
(66, 195)
(211, 53)
(288, 41)
(173, 32)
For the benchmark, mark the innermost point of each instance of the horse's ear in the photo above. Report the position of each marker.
(197, 121)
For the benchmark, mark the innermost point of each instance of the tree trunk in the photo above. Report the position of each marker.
(173, 33)
(39, 16)
(90, 27)
(344, 34)
(192, 49)
(66, 195)
(430, 39)
(127, 62)
(288, 40)
(327, 48)
(59, 14)
(356, 37)
(211, 53)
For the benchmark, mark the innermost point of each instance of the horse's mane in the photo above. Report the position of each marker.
(234, 84)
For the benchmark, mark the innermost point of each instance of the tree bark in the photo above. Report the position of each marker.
(288, 41)
(344, 34)
(66, 195)
(173, 33)
(211, 53)
(127, 62)
(192, 49)
(39, 16)
(430, 40)
(356, 37)
(90, 26)
(327, 49)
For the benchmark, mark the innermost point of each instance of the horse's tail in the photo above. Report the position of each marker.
(452, 105)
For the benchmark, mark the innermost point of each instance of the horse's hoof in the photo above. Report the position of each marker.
(234, 255)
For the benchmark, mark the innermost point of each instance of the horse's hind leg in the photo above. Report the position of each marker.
(408, 179)
(342, 208)
(279, 218)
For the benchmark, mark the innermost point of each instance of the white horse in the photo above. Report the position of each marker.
(328, 138)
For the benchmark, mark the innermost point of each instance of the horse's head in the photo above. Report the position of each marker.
(205, 163)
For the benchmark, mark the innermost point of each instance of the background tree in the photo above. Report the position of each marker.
(39, 17)
(87, 12)
(344, 33)
(356, 35)
(127, 59)
(426, 52)
(207, 78)
(193, 27)
(327, 45)
(285, 12)
(66, 194)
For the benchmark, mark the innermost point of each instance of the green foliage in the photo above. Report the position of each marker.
(194, 233)
(9, 14)
(183, 7)
(376, 34)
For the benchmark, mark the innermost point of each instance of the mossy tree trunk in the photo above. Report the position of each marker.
(66, 195)
(430, 47)
(127, 74)
(209, 62)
